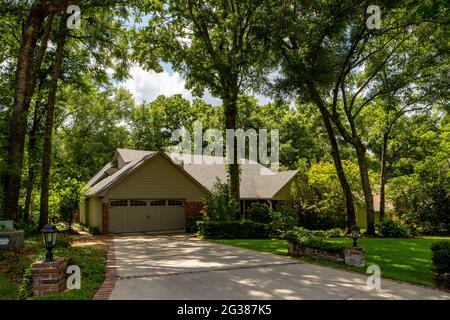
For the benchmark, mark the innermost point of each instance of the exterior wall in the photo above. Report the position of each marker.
(95, 213)
(82, 212)
(158, 179)
(193, 208)
(105, 218)
(361, 217)
(284, 193)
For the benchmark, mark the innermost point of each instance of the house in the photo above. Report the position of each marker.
(149, 191)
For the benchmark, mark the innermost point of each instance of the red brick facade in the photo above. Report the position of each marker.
(49, 277)
(193, 208)
(105, 218)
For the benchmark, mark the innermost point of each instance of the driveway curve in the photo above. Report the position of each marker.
(186, 268)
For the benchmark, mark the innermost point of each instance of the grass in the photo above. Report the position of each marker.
(15, 263)
(400, 259)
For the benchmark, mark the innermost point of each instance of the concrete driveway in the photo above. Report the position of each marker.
(183, 267)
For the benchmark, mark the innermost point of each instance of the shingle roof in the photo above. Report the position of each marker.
(257, 181)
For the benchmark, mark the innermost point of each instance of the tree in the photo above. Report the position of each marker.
(215, 45)
(340, 63)
(28, 65)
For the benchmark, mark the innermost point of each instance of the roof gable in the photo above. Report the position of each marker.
(257, 181)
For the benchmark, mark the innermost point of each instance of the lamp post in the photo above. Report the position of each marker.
(49, 233)
(355, 235)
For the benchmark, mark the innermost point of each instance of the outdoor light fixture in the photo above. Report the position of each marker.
(355, 234)
(49, 233)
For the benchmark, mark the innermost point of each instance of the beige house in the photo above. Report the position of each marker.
(147, 191)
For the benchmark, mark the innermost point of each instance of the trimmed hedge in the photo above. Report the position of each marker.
(441, 262)
(300, 232)
(242, 229)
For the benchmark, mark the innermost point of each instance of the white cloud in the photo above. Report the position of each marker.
(147, 85)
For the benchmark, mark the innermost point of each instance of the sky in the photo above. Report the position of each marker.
(147, 85)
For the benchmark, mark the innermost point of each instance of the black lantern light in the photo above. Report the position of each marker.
(355, 234)
(49, 233)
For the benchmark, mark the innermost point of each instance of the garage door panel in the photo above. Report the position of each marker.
(146, 218)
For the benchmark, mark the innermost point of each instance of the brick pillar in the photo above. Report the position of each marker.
(354, 256)
(49, 277)
(193, 208)
(105, 218)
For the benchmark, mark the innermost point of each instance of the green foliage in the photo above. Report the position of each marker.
(319, 244)
(219, 204)
(70, 191)
(26, 285)
(300, 232)
(441, 256)
(259, 212)
(393, 229)
(191, 223)
(282, 220)
(242, 229)
(31, 226)
(441, 263)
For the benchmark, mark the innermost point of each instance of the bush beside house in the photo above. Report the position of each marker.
(441, 263)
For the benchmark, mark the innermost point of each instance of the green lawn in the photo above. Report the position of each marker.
(400, 259)
(14, 264)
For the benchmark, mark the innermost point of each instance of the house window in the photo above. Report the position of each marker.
(156, 203)
(175, 203)
(138, 203)
(118, 203)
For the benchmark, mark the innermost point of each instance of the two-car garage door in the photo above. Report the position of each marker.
(146, 215)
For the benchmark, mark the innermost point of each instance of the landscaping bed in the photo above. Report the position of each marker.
(15, 267)
(400, 259)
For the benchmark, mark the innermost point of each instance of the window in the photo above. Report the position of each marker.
(175, 203)
(138, 203)
(118, 203)
(156, 203)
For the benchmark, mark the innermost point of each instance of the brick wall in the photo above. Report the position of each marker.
(105, 218)
(49, 277)
(193, 208)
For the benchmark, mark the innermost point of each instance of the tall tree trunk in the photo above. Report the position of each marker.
(367, 190)
(24, 88)
(230, 108)
(351, 220)
(32, 156)
(383, 175)
(47, 145)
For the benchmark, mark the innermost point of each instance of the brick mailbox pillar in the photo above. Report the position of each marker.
(354, 256)
(49, 277)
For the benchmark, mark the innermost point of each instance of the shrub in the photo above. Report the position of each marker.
(191, 223)
(282, 221)
(244, 229)
(322, 220)
(70, 192)
(64, 241)
(260, 212)
(219, 204)
(315, 243)
(300, 232)
(31, 226)
(393, 229)
(441, 263)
